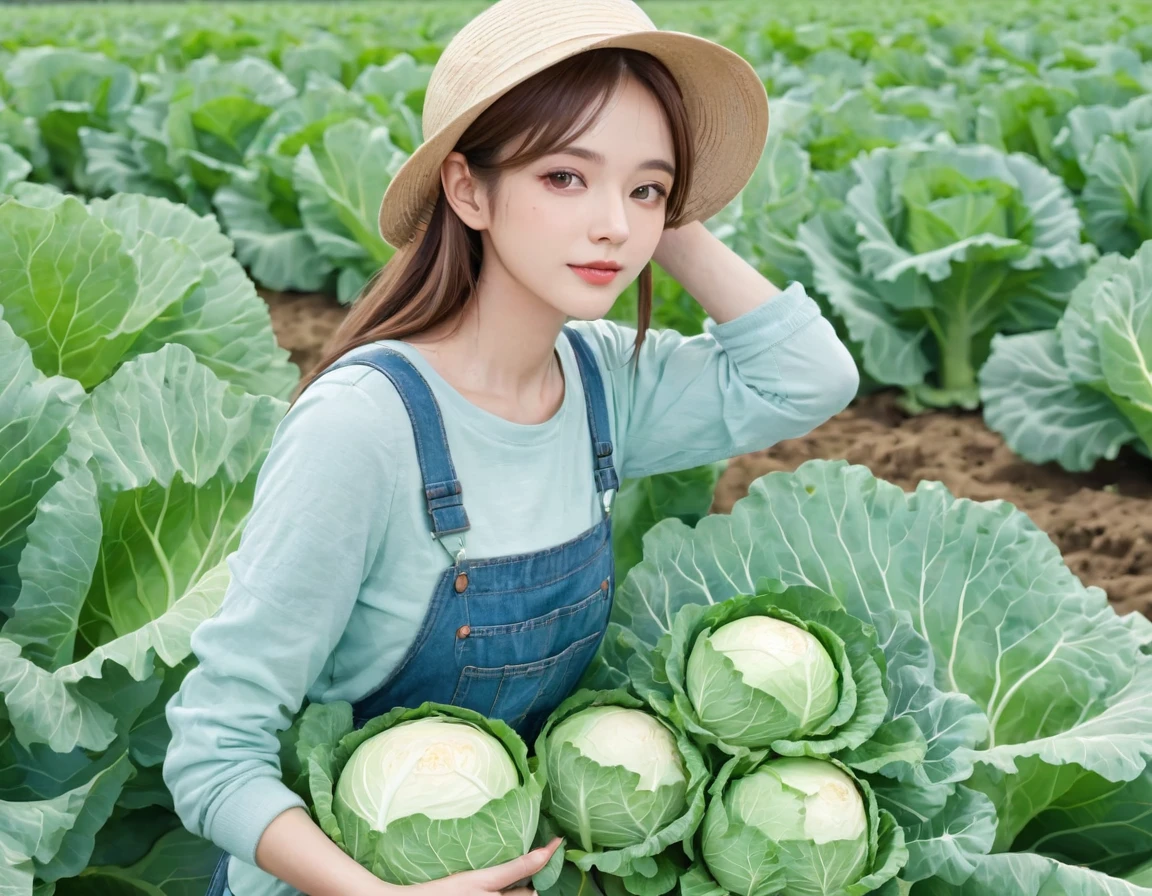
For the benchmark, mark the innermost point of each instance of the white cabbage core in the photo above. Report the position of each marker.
(762, 648)
(834, 809)
(437, 767)
(616, 735)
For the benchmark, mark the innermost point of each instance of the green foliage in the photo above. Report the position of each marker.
(938, 177)
(1002, 672)
(938, 249)
(641, 503)
(1082, 390)
(141, 385)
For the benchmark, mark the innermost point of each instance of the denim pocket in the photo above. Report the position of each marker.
(546, 619)
(524, 641)
(513, 692)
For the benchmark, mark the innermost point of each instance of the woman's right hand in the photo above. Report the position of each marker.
(487, 881)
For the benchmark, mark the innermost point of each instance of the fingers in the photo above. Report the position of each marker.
(548, 849)
(520, 891)
(519, 869)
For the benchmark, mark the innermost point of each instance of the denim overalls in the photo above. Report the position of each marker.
(510, 636)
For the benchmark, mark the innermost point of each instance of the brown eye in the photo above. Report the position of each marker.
(564, 174)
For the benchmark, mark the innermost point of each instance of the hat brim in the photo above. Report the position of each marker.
(727, 109)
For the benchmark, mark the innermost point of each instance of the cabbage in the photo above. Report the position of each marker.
(774, 657)
(786, 669)
(797, 827)
(1078, 393)
(938, 248)
(417, 794)
(623, 785)
(433, 766)
(615, 737)
(1015, 673)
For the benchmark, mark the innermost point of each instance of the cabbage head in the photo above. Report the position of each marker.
(772, 657)
(798, 827)
(417, 794)
(1109, 152)
(437, 766)
(616, 737)
(938, 248)
(623, 785)
(785, 669)
(1078, 393)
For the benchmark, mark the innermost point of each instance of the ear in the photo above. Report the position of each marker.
(463, 192)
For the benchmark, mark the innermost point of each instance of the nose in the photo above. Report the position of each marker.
(611, 222)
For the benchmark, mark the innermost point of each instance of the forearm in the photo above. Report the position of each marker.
(295, 850)
(725, 285)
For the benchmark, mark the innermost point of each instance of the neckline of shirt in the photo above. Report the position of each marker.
(485, 422)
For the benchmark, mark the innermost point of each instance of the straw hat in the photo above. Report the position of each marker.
(514, 39)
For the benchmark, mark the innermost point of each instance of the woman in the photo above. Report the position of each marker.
(433, 519)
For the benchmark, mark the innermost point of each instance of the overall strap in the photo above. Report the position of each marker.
(442, 489)
(598, 425)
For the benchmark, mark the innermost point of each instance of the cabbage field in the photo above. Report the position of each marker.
(963, 558)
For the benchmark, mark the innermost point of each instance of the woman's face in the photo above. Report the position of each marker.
(602, 199)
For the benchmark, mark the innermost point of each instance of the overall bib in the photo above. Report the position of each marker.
(508, 637)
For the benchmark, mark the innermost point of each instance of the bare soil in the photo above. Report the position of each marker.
(1101, 521)
(303, 323)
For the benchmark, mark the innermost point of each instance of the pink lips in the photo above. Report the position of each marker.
(595, 276)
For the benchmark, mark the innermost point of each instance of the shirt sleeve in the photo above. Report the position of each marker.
(296, 576)
(774, 373)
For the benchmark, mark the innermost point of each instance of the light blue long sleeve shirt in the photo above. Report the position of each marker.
(335, 567)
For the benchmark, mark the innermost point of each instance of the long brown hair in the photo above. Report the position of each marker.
(430, 281)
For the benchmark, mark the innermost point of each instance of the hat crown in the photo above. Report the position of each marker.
(503, 44)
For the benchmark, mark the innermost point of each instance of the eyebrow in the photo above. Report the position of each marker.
(592, 156)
